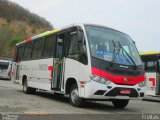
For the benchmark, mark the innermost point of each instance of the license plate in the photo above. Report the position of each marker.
(123, 91)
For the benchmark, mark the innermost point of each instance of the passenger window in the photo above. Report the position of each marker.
(49, 47)
(27, 51)
(143, 63)
(151, 66)
(20, 51)
(37, 49)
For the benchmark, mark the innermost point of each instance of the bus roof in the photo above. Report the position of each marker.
(38, 36)
(150, 53)
(83, 24)
(57, 30)
(150, 56)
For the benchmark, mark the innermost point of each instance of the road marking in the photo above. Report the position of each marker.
(36, 113)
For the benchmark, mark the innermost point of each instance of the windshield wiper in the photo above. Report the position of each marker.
(127, 55)
(113, 53)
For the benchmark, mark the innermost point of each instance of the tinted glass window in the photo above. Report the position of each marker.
(112, 46)
(27, 51)
(20, 51)
(49, 46)
(37, 49)
(77, 47)
(73, 49)
(151, 66)
(143, 63)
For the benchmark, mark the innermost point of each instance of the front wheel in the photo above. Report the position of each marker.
(120, 103)
(74, 98)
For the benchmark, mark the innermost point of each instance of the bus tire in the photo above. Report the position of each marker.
(74, 98)
(26, 89)
(120, 103)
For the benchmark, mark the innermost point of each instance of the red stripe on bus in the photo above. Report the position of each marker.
(153, 81)
(118, 79)
(28, 40)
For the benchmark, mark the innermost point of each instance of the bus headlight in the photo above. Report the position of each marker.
(100, 79)
(142, 84)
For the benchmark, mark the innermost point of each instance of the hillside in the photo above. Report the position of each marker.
(17, 24)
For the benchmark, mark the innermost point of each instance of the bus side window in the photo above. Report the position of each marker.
(151, 66)
(37, 49)
(20, 50)
(49, 47)
(144, 65)
(18, 54)
(77, 46)
(27, 51)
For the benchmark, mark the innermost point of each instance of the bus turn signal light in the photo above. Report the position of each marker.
(82, 84)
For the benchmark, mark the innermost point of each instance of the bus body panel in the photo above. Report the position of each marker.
(151, 84)
(78, 71)
(37, 73)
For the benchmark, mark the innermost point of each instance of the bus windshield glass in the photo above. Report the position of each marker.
(112, 46)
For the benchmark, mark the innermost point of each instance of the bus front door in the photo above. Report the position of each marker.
(58, 65)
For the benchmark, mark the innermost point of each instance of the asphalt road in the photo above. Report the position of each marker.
(13, 100)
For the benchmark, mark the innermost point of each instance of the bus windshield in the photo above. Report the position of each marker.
(112, 46)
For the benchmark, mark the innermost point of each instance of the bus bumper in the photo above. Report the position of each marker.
(98, 91)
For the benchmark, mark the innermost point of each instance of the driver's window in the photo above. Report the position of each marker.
(77, 47)
(73, 48)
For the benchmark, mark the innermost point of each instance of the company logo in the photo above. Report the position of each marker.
(124, 66)
(125, 80)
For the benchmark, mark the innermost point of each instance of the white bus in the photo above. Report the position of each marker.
(151, 62)
(5, 69)
(86, 61)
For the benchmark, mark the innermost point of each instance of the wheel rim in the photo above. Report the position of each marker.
(74, 95)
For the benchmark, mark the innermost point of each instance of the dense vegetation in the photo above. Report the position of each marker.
(17, 24)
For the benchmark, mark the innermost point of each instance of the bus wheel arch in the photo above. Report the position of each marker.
(72, 90)
(26, 88)
(69, 83)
